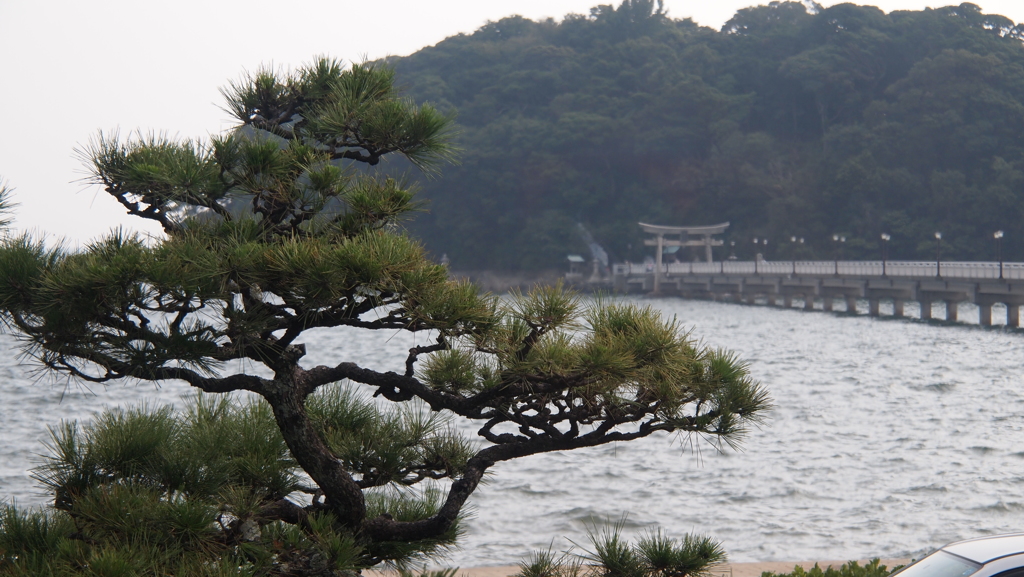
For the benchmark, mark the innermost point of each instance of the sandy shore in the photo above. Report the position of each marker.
(732, 569)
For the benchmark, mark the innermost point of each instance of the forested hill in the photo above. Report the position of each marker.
(792, 121)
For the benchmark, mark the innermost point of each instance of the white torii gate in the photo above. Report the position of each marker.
(683, 232)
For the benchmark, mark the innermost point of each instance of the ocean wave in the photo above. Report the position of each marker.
(999, 507)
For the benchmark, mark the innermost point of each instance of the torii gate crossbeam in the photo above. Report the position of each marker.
(683, 232)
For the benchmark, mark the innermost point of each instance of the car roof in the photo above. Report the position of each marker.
(985, 549)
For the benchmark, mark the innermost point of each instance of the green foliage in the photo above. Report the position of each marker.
(851, 569)
(790, 121)
(617, 360)
(214, 444)
(152, 491)
(653, 555)
(692, 556)
(615, 556)
(341, 106)
(126, 531)
(31, 536)
(408, 505)
(401, 445)
(547, 564)
(6, 205)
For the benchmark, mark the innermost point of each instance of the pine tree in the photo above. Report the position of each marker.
(276, 228)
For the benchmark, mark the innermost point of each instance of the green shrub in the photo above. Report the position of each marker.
(654, 555)
(874, 568)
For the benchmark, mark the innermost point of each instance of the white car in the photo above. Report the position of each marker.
(998, 556)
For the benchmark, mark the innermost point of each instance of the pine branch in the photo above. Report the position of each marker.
(415, 352)
(151, 212)
(385, 528)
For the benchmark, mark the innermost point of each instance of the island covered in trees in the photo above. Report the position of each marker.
(793, 120)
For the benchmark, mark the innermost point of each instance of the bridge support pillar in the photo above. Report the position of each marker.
(1012, 315)
(951, 311)
(809, 302)
(851, 304)
(787, 301)
(897, 308)
(826, 304)
(873, 307)
(985, 315)
(926, 310)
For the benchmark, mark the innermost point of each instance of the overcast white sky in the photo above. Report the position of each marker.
(73, 67)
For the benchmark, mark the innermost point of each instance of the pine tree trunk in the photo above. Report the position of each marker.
(343, 495)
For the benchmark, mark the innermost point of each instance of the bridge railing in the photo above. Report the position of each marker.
(951, 270)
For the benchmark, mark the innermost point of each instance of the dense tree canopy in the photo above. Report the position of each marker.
(270, 232)
(792, 121)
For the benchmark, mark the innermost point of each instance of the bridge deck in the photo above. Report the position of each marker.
(911, 269)
(983, 283)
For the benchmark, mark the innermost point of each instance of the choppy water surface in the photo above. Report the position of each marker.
(888, 438)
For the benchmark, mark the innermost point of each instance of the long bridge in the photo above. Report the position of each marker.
(819, 284)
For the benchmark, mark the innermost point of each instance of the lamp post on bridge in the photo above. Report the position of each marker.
(793, 241)
(885, 250)
(938, 254)
(792, 253)
(755, 255)
(839, 241)
(998, 235)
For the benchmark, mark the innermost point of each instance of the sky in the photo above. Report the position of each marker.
(74, 67)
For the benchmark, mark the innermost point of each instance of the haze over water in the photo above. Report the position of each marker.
(888, 438)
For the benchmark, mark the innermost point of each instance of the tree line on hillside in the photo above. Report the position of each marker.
(793, 121)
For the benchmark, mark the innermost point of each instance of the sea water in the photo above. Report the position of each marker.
(888, 437)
